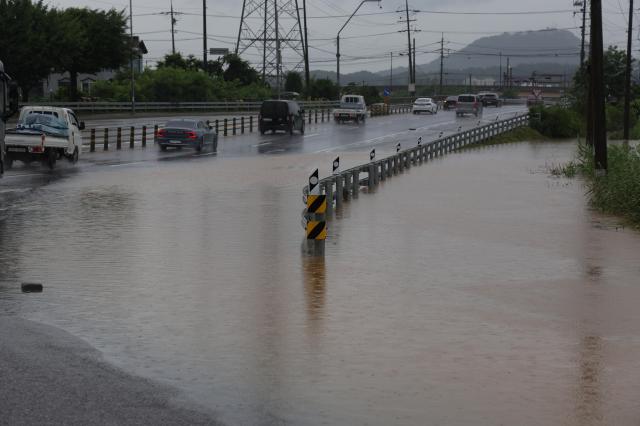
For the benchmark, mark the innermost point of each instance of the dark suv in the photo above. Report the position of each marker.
(280, 115)
(490, 99)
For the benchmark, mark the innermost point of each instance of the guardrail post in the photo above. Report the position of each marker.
(251, 124)
(370, 180)
(316, 112)
(225, 126)
(155, 132)
(328, 190)
(144, 136)
(389, 167)
(92, 143)
(119, 138)
(105, 146)
(132, 135)
(355, 183)
(234, 126)
(339, 191)
(323, 115)
(383, 171)
(309, 116)
(347, 185)
(242, 125)
(217, 127)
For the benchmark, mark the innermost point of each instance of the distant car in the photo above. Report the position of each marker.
(278, 114)
(468, 104)
(425, 105)
(186, 132)
(489, 98)
(450, 102)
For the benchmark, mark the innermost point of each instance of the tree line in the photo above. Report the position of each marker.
(37, 40)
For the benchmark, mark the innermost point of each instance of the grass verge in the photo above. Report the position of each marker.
(617, 192)
(520, 134)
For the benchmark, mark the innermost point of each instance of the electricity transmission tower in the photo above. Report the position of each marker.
(271, 37)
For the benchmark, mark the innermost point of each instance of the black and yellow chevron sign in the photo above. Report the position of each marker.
(317, 204)
(316, 230)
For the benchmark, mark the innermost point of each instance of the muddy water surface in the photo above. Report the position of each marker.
(472, 290)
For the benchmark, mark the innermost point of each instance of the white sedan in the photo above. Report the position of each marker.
(425, 105)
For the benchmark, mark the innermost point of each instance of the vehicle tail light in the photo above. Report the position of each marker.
(36, 149)
(190, 135)
(161, 133)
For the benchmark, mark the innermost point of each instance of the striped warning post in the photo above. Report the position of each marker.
(317, 204)
(316, 230)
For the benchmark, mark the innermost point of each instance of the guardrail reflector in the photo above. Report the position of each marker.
(317, 204)
(316, 230)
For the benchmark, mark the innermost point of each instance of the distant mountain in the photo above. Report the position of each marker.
(547, 51)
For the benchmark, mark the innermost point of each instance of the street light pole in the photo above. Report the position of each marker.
(338, 38)
(133, 77)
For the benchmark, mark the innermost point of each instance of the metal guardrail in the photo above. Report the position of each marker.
(139, 135)
(346, 184)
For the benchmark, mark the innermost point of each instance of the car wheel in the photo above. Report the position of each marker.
(199, 146)
(163, 148)
(74, 157)
(52, 157)
(8, 162)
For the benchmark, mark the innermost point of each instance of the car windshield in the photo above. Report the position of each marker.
(423, 101)
(452, 98)
(182, 124)
(43, 123)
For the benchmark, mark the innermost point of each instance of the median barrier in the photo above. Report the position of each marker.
(345, 185)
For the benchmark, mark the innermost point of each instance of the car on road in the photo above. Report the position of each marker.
(186, 133)
(352, 108)
(277, 114)
(450, 102)
(490, 98)
(425, 105)
(468, 104)
(46, 134)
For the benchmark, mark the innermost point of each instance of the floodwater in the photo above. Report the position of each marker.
(474, 289)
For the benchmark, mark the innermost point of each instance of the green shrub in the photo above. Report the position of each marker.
(555, 121)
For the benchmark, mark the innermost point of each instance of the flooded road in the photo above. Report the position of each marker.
(472, 290)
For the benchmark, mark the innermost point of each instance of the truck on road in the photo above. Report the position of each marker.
(8, 107)
(352, 108)
(44, 134)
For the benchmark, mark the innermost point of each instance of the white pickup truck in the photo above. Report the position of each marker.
(352, 108)
(44, 134)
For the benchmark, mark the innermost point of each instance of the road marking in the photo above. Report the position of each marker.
(23, 175)
(311, 135)
(126, 164)
(261, 144)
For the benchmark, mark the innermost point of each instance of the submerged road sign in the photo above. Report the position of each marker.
(317, 204)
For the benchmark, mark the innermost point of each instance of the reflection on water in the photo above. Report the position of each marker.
(467, 291)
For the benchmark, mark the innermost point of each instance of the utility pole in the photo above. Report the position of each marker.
(584, 21)
(500, 74)
(414, 60)
(596, 88)
(204, 35)
(306, 45)
(411, 77)
(627, 77)
(508, 84)
(278, 53)
(391, 73)
(173, 31)
(133, 77)
(441, 61)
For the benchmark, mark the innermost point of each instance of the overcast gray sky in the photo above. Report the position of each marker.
(375, 35)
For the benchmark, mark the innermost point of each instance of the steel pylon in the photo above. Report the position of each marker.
(270, 38)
